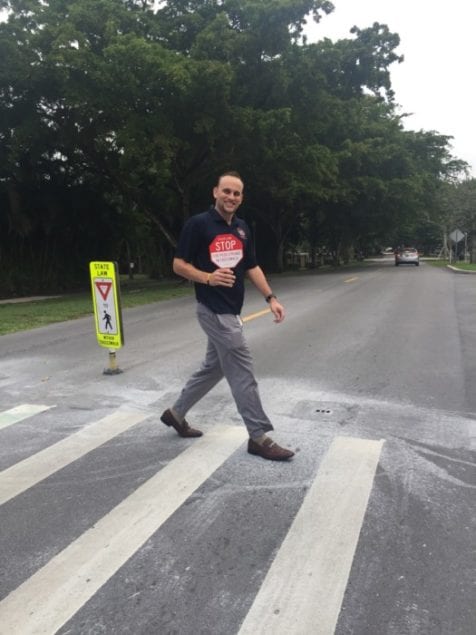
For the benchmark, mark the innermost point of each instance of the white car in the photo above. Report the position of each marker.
(407, 256)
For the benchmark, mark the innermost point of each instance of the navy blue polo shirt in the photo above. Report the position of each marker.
(208, 243)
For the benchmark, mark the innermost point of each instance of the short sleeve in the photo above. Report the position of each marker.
(188, 244)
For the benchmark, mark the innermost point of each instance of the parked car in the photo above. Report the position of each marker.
(407, 256)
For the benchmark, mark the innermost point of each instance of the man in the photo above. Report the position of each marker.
(216, 251)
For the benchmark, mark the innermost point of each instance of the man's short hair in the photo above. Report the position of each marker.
(233, 173)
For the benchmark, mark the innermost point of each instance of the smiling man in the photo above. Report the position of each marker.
(216, 252)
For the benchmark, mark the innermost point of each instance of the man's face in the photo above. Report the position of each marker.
(228, 195)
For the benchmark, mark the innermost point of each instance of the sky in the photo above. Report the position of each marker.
(436, 82)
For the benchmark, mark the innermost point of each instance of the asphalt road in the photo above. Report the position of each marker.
(110, 523)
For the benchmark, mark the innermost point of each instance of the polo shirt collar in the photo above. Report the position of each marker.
(218, 217)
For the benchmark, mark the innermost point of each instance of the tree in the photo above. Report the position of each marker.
(56, 146)
(115, 121)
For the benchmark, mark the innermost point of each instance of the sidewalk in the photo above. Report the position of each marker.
(33, 298)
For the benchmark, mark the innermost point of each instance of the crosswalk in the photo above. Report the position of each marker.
(321, 541)
(19, 413)
(302, 591)
(27, 473)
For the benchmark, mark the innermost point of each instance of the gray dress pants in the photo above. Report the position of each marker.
(227, 356)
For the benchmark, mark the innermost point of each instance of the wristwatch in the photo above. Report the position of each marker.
(268, 297)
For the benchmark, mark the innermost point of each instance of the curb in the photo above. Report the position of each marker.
(456, 270)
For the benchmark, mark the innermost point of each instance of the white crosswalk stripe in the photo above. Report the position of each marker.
(303, 590)
(56, 592)
(19, 413)
(27, 473)
(315, 558)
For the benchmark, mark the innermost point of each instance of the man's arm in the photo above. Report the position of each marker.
(258, 278)
(219, 277)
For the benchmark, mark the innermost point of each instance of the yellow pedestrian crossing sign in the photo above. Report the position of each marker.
(107, 307)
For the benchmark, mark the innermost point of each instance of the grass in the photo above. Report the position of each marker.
(465, 266)
(23, 316)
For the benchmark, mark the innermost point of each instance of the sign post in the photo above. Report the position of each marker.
(456, 236)
(107, 310)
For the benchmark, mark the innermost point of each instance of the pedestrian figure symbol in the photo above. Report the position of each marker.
(107, 321)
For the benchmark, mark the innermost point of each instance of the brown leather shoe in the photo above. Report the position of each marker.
(269, 450)
(183, 429)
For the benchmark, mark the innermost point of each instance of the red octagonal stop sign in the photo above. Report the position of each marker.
(226, 250)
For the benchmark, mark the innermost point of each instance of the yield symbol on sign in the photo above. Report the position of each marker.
(103, 288)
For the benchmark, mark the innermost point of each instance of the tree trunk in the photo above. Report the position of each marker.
(472, 247)
(168, 236)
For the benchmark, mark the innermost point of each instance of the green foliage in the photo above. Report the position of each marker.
(115, 121)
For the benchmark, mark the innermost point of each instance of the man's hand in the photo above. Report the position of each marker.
(222, 278)
(277, 310)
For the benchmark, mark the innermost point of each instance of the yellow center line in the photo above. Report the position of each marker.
(253, 316)
(351, 279)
